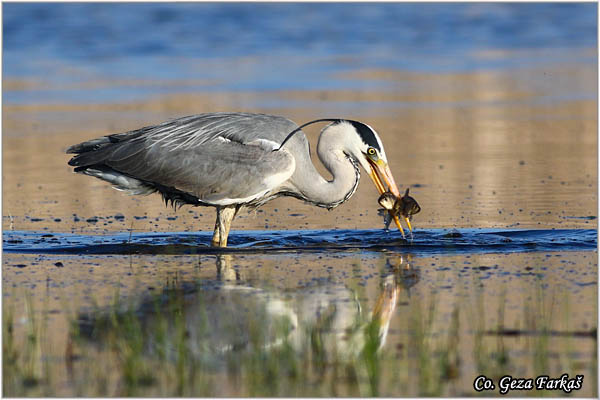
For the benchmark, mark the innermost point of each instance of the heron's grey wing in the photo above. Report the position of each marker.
(196, 130)
(217, 157)
(220, 172)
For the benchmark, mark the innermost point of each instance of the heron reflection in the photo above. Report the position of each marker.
(227, 315)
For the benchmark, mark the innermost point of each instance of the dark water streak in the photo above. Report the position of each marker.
(426, 242)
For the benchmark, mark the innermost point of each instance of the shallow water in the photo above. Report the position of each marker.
(299, 316)
(423, 242)
(293, 307)
(488, 112)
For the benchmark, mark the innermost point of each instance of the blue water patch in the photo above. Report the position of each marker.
(261, 46)
(431, 241)
(97, 32)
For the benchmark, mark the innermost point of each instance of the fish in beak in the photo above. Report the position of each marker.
(405, 206)
(409, 208)
(380, 173)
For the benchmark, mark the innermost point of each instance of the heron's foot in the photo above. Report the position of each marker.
(216, 241)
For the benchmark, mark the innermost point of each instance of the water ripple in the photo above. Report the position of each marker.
(431, 241)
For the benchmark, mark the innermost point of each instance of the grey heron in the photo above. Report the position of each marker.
(233, 160)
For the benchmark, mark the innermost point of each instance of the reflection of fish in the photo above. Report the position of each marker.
(404, 206)
(406, 274)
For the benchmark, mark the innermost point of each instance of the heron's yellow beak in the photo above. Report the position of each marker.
(379, 170)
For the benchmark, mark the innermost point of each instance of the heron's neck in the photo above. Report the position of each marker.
(320, 191)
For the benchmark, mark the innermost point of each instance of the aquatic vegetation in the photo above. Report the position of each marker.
(229, 337)
(24, 362)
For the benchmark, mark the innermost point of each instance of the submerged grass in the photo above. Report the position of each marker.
(228, 340)
(25, 361)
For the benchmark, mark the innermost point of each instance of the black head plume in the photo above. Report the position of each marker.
(298, 129)
(366, 134)
(363, 131)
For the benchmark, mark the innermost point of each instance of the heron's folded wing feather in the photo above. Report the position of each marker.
(196, 130)
(189, 133)
(214, 156)
(215, 172)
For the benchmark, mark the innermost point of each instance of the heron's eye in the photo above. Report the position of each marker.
(371, 151)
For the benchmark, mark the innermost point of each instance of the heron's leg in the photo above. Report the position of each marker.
(217, 233)
(229, 215)
(225, 216)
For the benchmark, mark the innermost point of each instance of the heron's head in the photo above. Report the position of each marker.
(364, 145)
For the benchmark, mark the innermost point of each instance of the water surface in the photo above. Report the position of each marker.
(74, 51)
(384, 322)
(423, 242)
(488, 112)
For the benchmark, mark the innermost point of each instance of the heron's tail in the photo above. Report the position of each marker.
(91, 157)
(119, 181)
(104, 141)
